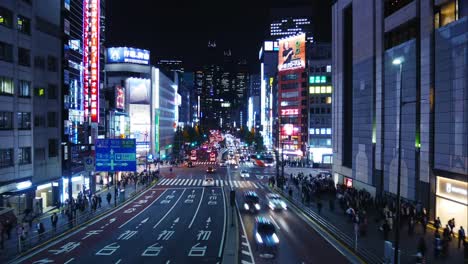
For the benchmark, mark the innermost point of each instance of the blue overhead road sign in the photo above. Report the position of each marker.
(115, 155)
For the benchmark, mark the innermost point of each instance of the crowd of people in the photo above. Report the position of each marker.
(359, 205)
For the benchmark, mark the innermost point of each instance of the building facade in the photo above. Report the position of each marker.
(30, 102)
(428, 93)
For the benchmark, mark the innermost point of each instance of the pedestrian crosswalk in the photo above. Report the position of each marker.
(220, 183)
(203, 162)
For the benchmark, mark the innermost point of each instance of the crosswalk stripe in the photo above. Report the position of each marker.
(217, 183)
(253, 183)
(162, 182)
(221, 183)
(198, 182)
(184, 182)
(231, 183)
(179, 181)
(241, 184)
(226, 183)
(236, 184)
(190, 182)
(169, 182)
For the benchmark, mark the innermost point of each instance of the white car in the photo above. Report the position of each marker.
(208, 182)
(275, 202)
(244, 174)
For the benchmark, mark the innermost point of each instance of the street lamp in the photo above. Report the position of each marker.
(398, 62)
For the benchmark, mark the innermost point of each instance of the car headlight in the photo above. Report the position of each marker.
(275, 238)
(246, 206)
(283, 204)
(259, 238)
(257, 206)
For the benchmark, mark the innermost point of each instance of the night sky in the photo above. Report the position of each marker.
(182, 30)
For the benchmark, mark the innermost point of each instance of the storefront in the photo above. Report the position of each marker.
(46, 195)
(79, 183)
(452, 201)
(17, 195)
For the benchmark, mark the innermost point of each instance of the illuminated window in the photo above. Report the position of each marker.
(328, 68)
(23, 24)
(311, 90)
(317, 131)
(322, 131)
(312, 131)
(323, 79)
(5, 17)
(322, 89)
(328, 101)
(7, 86)
(328, 131)
(328, 142)
(317, 89)
(446, 14)
(329, 89)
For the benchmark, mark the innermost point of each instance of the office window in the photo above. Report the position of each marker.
(317, 89)
(328, 110)
(6, 157)
(24, 120)
(52, 91)
(39, 121)
(53, 148)
(52, 119)
(39, 92)
(328, 131)
(446, 13)
(329, 89)
(6, 17)
(24, 88)
(6, 120)
(323, 89)
(24, 57)
(6, 52)
(24, 155)
(312, 131)
(52, 64)
(328, 68)
(317, 131)
(323, 131)
(401, 34)
(328, 142)
(391, 6)
(289, 94)
(6, 86)
(23, 24)
(39, 62)
(328, 100)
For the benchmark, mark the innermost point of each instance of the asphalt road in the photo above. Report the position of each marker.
(299, 242)
(166, 224)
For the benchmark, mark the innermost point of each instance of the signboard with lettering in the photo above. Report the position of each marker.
(91, 28)
(115, 155)
(128, 55)
(285, 112)
(452, 189)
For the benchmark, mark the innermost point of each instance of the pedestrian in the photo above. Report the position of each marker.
(99, 200)
(437, 224)
(40, 229)
(422, 246)
(109, 197)
(54, 220)
(446, 233)
(452, 226)
(424, 223)
(411, 226)
(385, 229)
(461, 236)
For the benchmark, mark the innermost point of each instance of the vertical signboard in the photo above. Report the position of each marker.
(91, 58)
(291, 53)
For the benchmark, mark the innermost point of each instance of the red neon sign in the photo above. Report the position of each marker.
(91, 58)
(294, 111)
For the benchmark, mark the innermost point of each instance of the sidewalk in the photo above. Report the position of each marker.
(12, 248)
(373, 241)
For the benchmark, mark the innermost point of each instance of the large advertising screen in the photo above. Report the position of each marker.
(128, 55)
(138, 90)
(291, 53)
(119, 97)
(140, 124)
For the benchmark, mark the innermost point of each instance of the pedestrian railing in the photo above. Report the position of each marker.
(366, 255)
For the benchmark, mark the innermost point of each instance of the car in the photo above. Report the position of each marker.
(265, 235)
(275, 202)
(251, 201)
(244, 174)
(208, 182)
(210, 169)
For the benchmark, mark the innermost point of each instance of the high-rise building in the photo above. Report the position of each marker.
(400, 101)
(320, 98)
(30, 103)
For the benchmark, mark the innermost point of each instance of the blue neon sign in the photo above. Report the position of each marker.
(128, 55)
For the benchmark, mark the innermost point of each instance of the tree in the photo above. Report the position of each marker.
(259, 145)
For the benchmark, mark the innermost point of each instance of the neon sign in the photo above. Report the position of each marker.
(91, 29)
(293, 111)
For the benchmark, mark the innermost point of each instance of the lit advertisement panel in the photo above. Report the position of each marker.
(128, 55)
(91, 28)
(140, 124)
(292, 111)
(119, 97)
(138, 90)
(291, 53)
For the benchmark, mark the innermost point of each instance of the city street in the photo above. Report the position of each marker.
(163, 225)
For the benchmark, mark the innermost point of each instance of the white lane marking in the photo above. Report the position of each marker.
(118, 261)
(245, 252)
(236, 184)
(226, 183)
(168, 211)
(221, 183)
(170, 182)
(190, 182)
(161, 195)
(243, 235)
(185, 181)
(224, 225)
(245, 262)
(199, 182)
(217, 182)
(198, 208)
(245, 244)
(165, 181)
(254, 185)
(274, 222)
(178, 182)
(70, 260)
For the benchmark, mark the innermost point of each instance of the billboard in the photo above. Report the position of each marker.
(291, 53)
(119, 97)
(138, 90)
(91, 29)
(140, 123)
(128, 55)
(115, 155)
